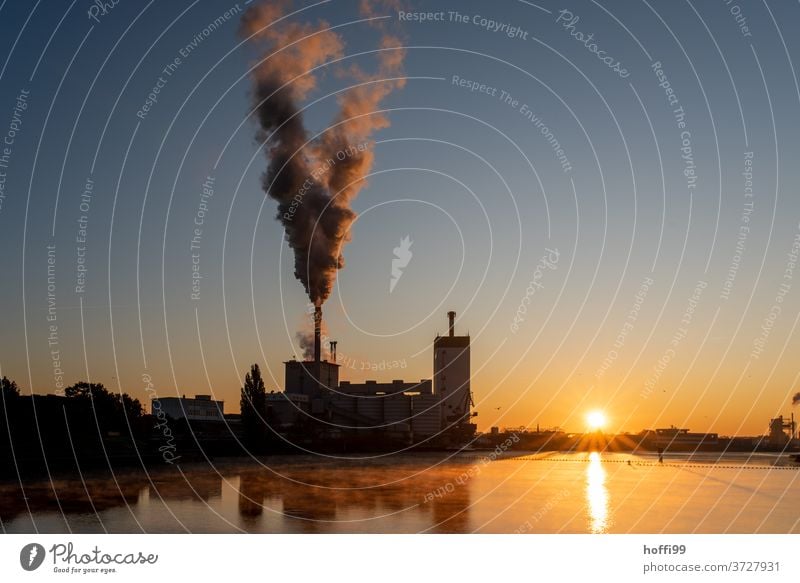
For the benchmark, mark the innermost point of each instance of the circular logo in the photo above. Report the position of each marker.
(31, 556)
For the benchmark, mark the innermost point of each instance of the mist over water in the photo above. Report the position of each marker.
(415, 493)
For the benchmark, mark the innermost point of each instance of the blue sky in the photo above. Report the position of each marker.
(466, 175)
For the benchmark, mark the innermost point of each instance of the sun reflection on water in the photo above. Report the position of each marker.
(596, 494)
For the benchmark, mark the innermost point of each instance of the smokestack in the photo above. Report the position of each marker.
(317, 333)
(452, 316)
(333, 350)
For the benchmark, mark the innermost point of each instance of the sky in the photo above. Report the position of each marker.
(613, 217)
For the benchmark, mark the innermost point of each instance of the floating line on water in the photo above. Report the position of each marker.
(637, 463)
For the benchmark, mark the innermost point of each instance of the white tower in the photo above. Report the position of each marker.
(451, 375)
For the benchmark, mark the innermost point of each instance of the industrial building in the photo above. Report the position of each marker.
(201, 408)
(778, 428)
(673, 437)
(400, 410)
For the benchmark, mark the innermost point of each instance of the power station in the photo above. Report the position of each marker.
(437, 411)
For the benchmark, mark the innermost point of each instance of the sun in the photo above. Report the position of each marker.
(596, 420)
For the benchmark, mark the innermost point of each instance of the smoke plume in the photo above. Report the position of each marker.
(314, 181)
(796, 399)
(305, 338)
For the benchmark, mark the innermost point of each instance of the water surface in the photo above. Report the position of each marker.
(461, 493)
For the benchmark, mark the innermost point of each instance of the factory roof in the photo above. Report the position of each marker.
(451, 341)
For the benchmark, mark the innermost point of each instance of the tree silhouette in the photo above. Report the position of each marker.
(113, 411)
(9, 397)
(9, 389)
(253, 405)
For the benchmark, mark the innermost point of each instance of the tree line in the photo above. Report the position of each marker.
(89, 422)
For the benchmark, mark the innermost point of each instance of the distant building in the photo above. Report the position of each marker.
(451, 374)
(286, 409)
(409, 411)
(201, 408)
(674, 437)
(781, 431)
(309, 377)
(423, 387)
(397, 407)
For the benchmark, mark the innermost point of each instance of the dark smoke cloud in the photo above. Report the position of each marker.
(314, 182)
(796, 399)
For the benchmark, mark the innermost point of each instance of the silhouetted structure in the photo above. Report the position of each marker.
(87, 427)
(254, 408)
(381, 414)
(781, 431)
(201, 408)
